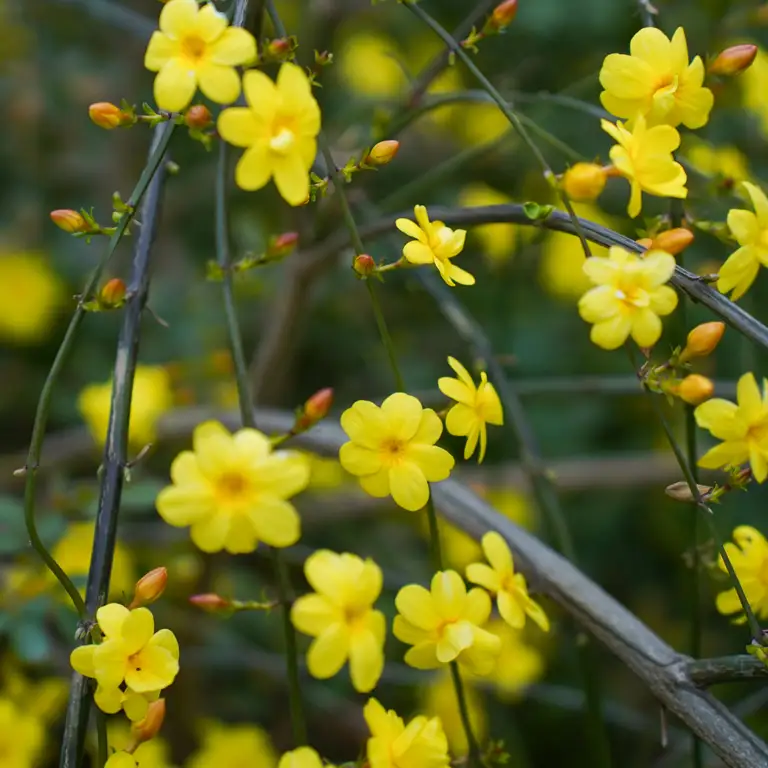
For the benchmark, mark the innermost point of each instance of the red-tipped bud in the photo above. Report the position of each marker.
(69, 220)
(734, 60)
(503, 15)
(315, 409)
(673, 241)
(150, 726)
(112, 293)
(382, 153)
(283, 244)
(703, 340)
(108, 116)
(149, 587)
(364, 265)
(211, 602)
(198, 117)
(695, 389)
(584, 182)
(279, 47)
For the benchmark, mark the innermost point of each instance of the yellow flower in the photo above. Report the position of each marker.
(149, 754)
(434, 243)
(584, 181)
(22, 736)
(518, 665)
(376, 56)
(122, 760)
(420, 744)
(131, 653)
(475, 407)
(279, 128)
(727, 162)
(749, 557)
(303, 757)
(743, 428)
(43, 699)
(392, 449)
(751, 233)
(151, 398)
(30, 295)
(195, 46)
(644, 157)
(512, 598)
(232, 491)
(754, 82)
(629, 297)
(445, 624)
(340, 615)
(440, 701)
(657, 81)
(231, 745)
(325, 474)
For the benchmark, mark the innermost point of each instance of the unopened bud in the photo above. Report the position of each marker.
(149, 587)
(198, 116)
(69, 220)
(382, 153)
(673, 241)
(279, 47)
(323, 58)
(211, 602)
(584, 182)
(695, 389)
(364, 264)
(112, 293)
(681, 491)
(702, 340)
(150, 726)
(503, 15)
(283, 244)
(315, 409)
(646, 242)
(108, 116)
(734, 60)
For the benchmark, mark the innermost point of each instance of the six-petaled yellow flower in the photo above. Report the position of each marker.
(393, 744)
(476, 406)
(644, 157)
(278, 128)
(512, 598)
(303, 757)
(392, 449)
(444, 624)
(749, 557)
(751, 232)
(195, 46)
(341, 618)
(657, 81)
(629, 297)
(434, 243)
(743, 428)
(233, 491)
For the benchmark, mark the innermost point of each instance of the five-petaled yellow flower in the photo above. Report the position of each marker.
(512, 598)
(233, 491)
(279, 129)
(303, 757)
(434, 243)
(420, 744)
(444, 624)
(133, 655)
(749, 557)
(475, 407)
(656, 81)
(644, 157)
(629, 296)
(195, 46)
(392, 449)
(743, 428)
(341, 618)
(751, 232)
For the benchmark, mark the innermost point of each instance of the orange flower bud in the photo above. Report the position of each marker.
(382, 153)
(503, 14)
(703, 340)
(150, 726)
(211, 602)
(583, 182)
(364, 264)
(149, 587)
(695, 389)
(646, 242)
(198, 116)
(106, 115)
(279, 46)
(733, 61)
(315, 409)
(673, 241)
(113, 293)
(283, 244)
(69, 220)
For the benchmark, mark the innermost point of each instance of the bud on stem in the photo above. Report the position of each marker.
(149, 587)
(733, 61)
(702, 340)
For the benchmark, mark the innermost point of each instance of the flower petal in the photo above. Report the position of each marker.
(358, 460)
(366, 660)
(160, 51)
(484, 575)
(275, 521)
(236, 46)
(291, 177)
(210, 533)
(178, 18)
(81, 660)
(254, 169)
(210, 23)
(448, 593)
(220, 83)
(137, 629)
(328, 652)
(408, 486)
(418, 253)
(175, 84)
(416, 605)
(111, 618)
(261, 95)
(185, 505)
(410, 228)
(498, 553)
(435, 463)
(376, 485)
(313, 614)
(402, 414)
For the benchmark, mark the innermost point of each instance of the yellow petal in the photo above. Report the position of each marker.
(422, 656)
(303, 757)
(293, 86)
(254, 169)
(406, 632)
(749, 398)
(175, 83)
(652, 46)
(358, 460)
(235, 47)
(219, 83)
(418, 253)
(410, 228)
(743, 225)
(477, 608)
(611, 334)
(160, 50)
(598, 304)
(511, 609)
(728, 453)
(456, 390)
(283, 474)
(402, 414)
(241, 536)
(455, 638)
(646, 327)
(408, 486)
(328, 652)
(366, 661)
(209, 534)
(485, 576)
(430, 428)
(461, 420)
(210, 23)
(376, 485)
(179, 18)
(448, 593)
(460, 276)
(184, 470)
(364, 423)
(291, 177)
(416, 605)
(182, 505)
(111, 618)
(137, 629)
(434, 462)
(760, 203)
(135, 706)
(720, 418)
(276, 522)
(261, 95)
(628, 77)
(81, 660)
(108, 699)
(663, 300)
(155, 669)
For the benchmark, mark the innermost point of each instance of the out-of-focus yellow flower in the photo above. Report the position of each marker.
(325, 474)
(629, 297)
(341, 617)
(440, 701)
(30, 294)
(122, 760)
(644, 157)
(751, 233)
(476, 407)
(225, 745)
(510, 588)
(434, 243)
(754, 83)
(22, 736)
(420, 744)
(151, 398)
(584, 181)
(43, 699)
(725, 161)
(195, 46)
(279, 129)
(480, 123)
(303, 757)
(519, 664)
(743, 428)
(749, 557)
(656, 81)
(368, 64)
(392, 449)
(233, 489)
(149, 754)
(444, 624)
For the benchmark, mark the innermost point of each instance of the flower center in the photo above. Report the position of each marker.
(633, 297)
(232, 486)
(282, 142)
(193, 47)
(392, 451)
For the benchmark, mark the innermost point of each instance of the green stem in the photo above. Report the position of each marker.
(386, 339)
(434, 536)
(474, 756)
(102, 744)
